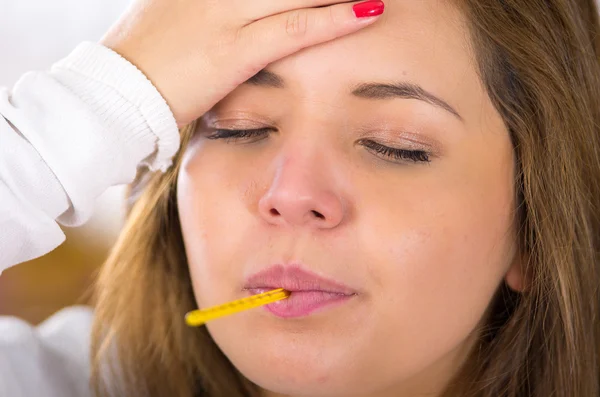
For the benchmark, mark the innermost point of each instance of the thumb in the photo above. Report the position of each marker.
(283, 34)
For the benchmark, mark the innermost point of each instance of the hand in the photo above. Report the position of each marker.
(197, 51)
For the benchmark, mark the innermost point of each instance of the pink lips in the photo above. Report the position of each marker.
(309, 291)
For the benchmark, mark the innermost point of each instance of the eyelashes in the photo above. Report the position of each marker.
(385, 152)
(416, 156)
(234, 135)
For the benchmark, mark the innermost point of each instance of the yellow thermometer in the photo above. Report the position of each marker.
(197, 318)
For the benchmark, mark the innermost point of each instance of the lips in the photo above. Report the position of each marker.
(309, 291)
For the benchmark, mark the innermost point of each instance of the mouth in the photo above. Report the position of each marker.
(309, 291)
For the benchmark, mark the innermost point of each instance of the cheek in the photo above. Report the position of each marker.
(208, 200)
(438, 247)
(217, 200)
(463, 232)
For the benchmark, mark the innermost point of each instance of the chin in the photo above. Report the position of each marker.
(304, 372)
(284, 381)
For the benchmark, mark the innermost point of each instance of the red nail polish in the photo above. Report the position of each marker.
(370, 8)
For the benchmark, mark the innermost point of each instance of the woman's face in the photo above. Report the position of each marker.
(379, 164)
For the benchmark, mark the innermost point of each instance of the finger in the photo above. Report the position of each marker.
(258, 9)
(280, 35)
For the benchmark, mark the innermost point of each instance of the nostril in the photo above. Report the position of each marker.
(318, 214)
(274, 212)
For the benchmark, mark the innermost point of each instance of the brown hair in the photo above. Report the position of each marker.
(540, 63)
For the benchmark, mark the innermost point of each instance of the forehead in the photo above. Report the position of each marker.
(409, 35)
(422, 41)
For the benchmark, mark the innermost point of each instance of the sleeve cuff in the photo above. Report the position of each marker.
(102, 67)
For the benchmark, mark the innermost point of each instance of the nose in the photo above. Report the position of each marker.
(301, 194)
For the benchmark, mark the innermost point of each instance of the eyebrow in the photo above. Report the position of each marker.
(264, 78)
(377, 91)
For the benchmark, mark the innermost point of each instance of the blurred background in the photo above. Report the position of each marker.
(33, 35)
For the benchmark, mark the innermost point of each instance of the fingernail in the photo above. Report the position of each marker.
(370, 8)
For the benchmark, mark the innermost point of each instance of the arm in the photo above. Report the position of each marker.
(66, 136)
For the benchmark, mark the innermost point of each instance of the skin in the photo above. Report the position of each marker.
(425, 244)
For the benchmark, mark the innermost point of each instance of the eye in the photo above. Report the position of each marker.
(251, 135)
(395, 154)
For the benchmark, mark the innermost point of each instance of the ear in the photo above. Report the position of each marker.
(517, 277)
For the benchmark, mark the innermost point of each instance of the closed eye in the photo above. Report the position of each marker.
(382, 151)
(396, 154)
(237, 135)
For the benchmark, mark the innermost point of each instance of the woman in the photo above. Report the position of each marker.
(431, 183)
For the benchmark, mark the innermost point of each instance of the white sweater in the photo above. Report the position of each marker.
(66, 135)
